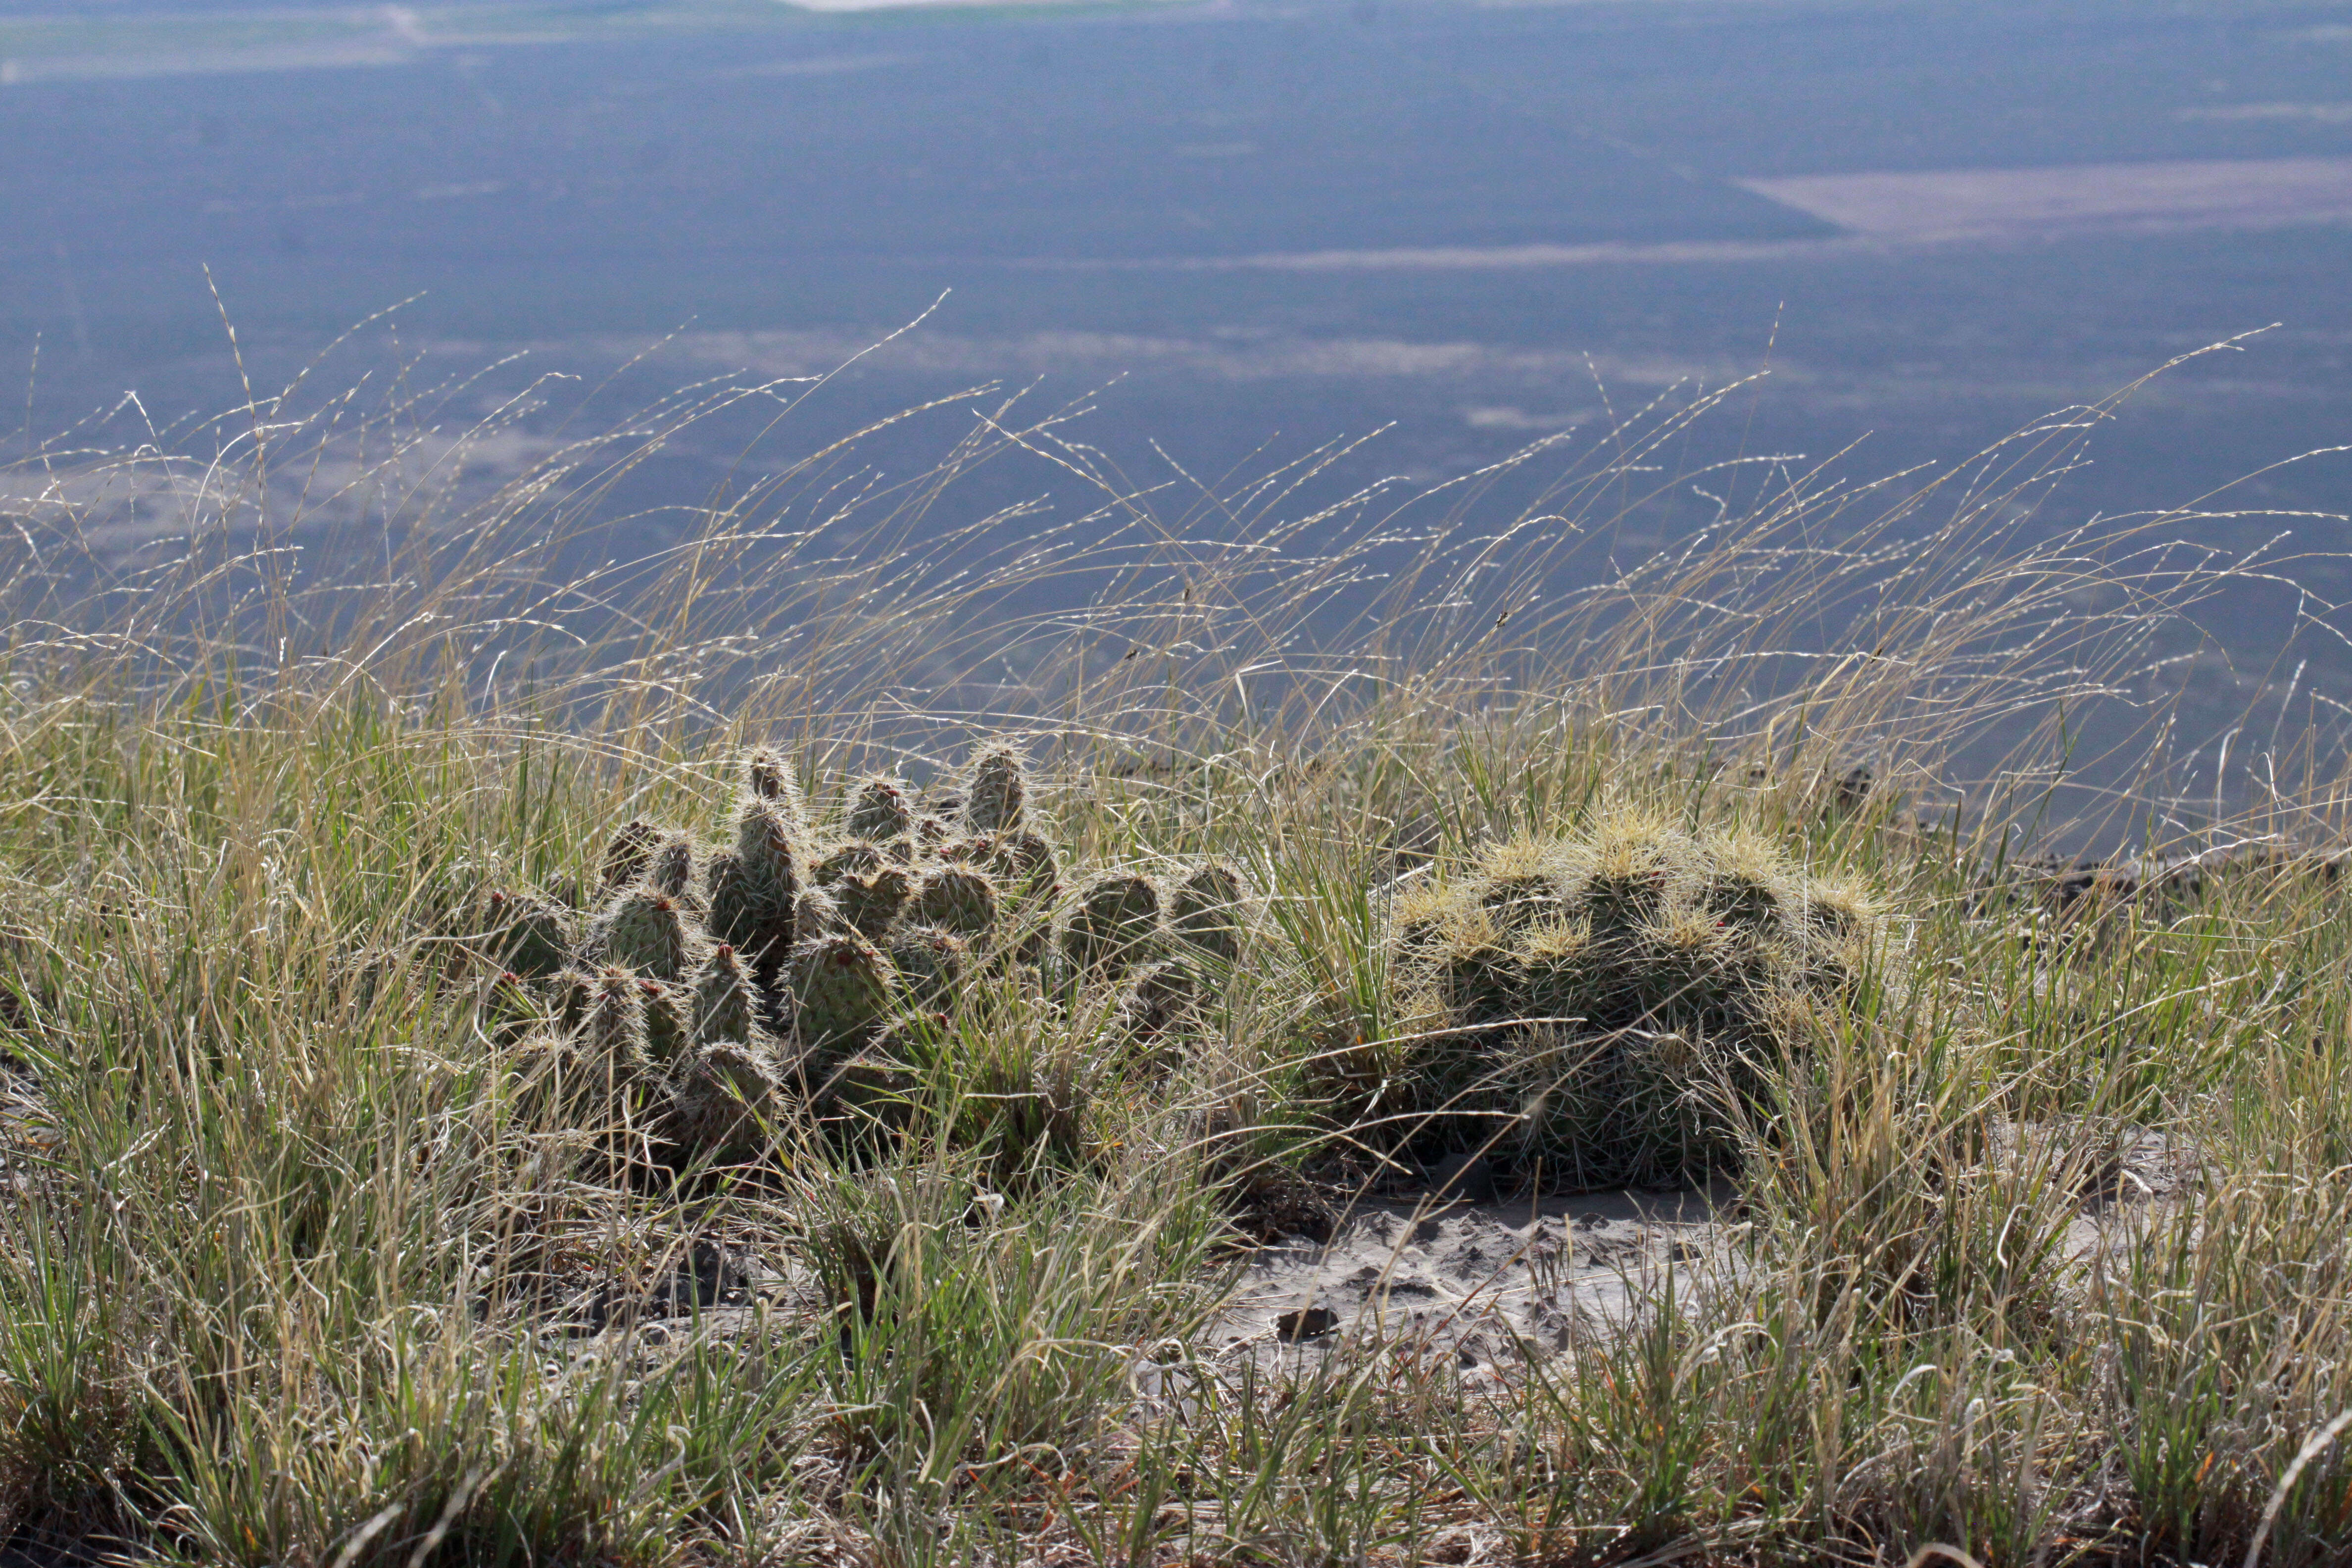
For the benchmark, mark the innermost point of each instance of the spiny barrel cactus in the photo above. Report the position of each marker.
(841, 991)
(1598, 993)
(1114, 925)
(721, 1102)
(625, 854)
(531, 936)
(880, 814)
(997, 798)
(1209, 910)
(646, 932)
(954, 898)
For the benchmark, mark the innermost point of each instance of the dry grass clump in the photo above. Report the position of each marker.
(354, 1218)
(1605, 1005)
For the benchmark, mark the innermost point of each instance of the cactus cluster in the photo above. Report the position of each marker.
(721, 986)
(1602, 1003)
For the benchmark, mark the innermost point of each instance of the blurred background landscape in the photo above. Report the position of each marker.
(1231, 233)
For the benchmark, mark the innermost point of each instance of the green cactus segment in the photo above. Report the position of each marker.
(625, 854)
(996, 800)
(869, 904)
(726, 1000)
(816, 913)
(573, 994)
(612, 1035)
(879, 812)
(1114, 925)
(753, 886)
(670, 868)
(768, 780)
(1029, 863)
(723, 1100)
(530, 936)
(854, 858)
(933, 964)
(841, 991)
(646, 932)
(1164, 998)
(955, 898)
(670, 1021)
(1209, 910)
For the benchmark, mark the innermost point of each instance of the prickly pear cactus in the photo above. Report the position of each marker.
(531, 936)
(957, 898)
(613, 1035)
(1209, 910)
(753, 886)
(841, 992)
(933, 964)
(670, 1021)
(854, 858)
(726, 1000)
(870, 903)
(625, 854)
(670, 867)
(646, 932)
(996, 799)
(723, 1100)
(1624, 984)
(880, 813)
(1115, 926)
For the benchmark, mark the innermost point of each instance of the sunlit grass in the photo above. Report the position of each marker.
(298, 1270)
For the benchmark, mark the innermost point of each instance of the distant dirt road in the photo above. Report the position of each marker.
(1958, 205)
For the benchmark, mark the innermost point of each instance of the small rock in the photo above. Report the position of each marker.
(1306, 1323)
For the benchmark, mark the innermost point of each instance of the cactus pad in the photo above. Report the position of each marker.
(956, 898)
(841, 989)
(1114, 924)
(1209, 910)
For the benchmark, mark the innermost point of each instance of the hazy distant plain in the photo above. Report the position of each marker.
(1268, 223)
